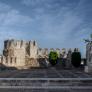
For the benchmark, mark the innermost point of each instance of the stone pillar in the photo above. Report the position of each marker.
(88, 67)
(33, 49)
(68, 62)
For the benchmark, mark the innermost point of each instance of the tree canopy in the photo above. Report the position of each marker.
(76, 59)
(53, 56)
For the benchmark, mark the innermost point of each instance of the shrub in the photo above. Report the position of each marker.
(76, 59)
(53, 57)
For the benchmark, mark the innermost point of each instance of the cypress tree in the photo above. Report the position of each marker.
(76, 58)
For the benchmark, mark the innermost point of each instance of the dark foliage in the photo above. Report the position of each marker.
(53, 58)
(76, 59)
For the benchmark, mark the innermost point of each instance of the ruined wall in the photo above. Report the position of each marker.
(40, 53)
(45, 51)
(33, 49)
(19, 53)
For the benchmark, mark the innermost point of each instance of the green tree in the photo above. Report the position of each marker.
(53, 57)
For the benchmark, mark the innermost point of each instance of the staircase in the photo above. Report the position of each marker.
(46, 84)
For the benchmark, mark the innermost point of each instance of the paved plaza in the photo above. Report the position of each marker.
(50, 72)
(49, 79)
(42, 90)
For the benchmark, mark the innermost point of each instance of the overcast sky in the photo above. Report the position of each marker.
(52, 23)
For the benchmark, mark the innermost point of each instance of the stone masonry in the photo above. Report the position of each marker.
(88, 67)
(20, 54)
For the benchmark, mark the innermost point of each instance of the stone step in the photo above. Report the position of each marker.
(46, 82)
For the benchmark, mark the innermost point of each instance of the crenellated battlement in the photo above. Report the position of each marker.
(55, 49)
(14, 43)
(19, 53)
(31, 47)
(42, 52)
(18, 44)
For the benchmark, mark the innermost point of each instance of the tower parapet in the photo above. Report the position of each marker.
(58, 52)
(14, 44)
(33, 49)
(52, 49)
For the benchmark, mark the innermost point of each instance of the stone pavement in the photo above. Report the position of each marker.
(50, 79)
(43, 90)
(50, 72)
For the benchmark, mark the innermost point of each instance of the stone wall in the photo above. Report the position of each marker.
(19, 53)
(33, 49)
(16, 51)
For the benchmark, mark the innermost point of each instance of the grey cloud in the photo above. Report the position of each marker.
(54, 23)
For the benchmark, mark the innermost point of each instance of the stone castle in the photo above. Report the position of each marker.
(24, 54)
(19, 53)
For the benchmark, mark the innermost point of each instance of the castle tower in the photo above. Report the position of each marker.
(14, 53)
(20, 52)
(8, 48)
(33, 49)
